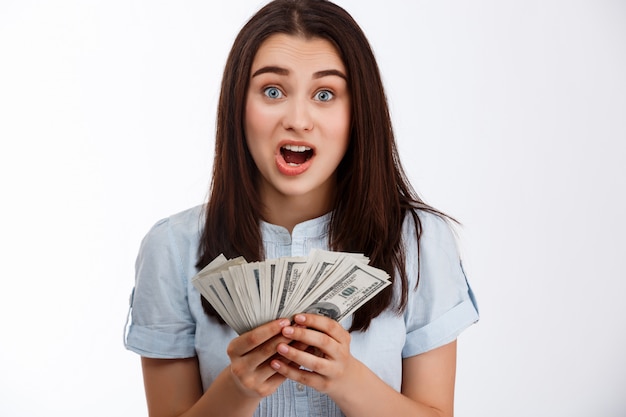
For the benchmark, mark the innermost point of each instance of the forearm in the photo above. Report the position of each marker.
(174, 389)
(224, 398)
(365, 394)
(427, 378)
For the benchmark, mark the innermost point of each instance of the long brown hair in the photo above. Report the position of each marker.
(373, 193)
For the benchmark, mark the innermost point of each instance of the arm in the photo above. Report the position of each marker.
(172, 385)
(427, 383)
(174, 388)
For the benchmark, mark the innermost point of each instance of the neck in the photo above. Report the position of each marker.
(289, 211)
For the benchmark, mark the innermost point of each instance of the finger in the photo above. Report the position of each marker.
(266, 374)
(253, 370)
(298, 345)
(262, 381)
(327, 337)
(259, 359)
(324, 325)
(249, 341)
(308, 337)
(314, 360)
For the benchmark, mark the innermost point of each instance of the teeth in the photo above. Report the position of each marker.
(295, 148)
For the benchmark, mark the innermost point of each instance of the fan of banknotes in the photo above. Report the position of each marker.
(246, 295)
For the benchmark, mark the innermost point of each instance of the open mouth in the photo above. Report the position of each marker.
(295, 155)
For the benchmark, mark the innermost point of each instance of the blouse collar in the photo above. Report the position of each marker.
(313, 228)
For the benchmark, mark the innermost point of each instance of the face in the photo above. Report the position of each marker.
(297, 120)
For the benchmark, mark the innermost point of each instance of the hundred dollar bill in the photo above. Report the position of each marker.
(269, 280)
(247, 295)
(236, 281)
(213, 286)
(348, 293)
(291, 270)
(320, 266)
(252, 281)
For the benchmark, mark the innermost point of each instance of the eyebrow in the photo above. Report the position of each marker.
(284, 71)
(330, 72)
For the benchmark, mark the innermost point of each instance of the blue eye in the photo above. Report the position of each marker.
(273, 92)
(324, 95)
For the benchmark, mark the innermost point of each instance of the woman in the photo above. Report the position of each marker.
(305, 158)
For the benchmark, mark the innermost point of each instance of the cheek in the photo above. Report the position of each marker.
(259, 121)
(341, 129)
(341, 117)
(252, 119)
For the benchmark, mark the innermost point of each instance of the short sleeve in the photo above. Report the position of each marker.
(161, 324)
(443, 305)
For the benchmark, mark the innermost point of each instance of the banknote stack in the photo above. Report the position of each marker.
(246, 295)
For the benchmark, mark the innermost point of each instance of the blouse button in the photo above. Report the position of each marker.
(299, 387)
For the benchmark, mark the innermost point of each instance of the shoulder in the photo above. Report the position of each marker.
(190, 220)
(434, 260)
(443, 304)
(175, 237)
(162, 322)
(435, 232)
(186, 224)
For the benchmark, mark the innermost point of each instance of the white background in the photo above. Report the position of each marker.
(510, 115)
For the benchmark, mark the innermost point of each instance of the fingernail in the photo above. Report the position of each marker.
(288, 331)
(284, 323)
(300, 318)
(275, 365)
(283, 349)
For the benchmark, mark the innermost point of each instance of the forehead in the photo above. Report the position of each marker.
(283, 50)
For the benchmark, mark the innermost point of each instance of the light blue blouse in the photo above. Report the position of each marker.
(167, 319)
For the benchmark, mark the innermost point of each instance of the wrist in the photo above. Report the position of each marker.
(230, 391)
(238, 390)
(356, 374)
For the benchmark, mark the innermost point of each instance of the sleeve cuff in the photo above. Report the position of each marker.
(441, 331)
(152, 343)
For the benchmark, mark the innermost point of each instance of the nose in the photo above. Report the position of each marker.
(298, 116)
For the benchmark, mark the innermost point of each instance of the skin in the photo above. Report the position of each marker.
(298, 95)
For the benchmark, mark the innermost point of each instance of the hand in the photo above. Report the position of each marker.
(327, 357)
(250, 355)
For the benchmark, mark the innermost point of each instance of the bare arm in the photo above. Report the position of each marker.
(174, 388)
(172, 385)
(429, 378)
(427, 388)
(427, 383)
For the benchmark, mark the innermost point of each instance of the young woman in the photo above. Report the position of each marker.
(305, 158)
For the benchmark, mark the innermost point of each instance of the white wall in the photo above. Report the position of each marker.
(510, 115)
